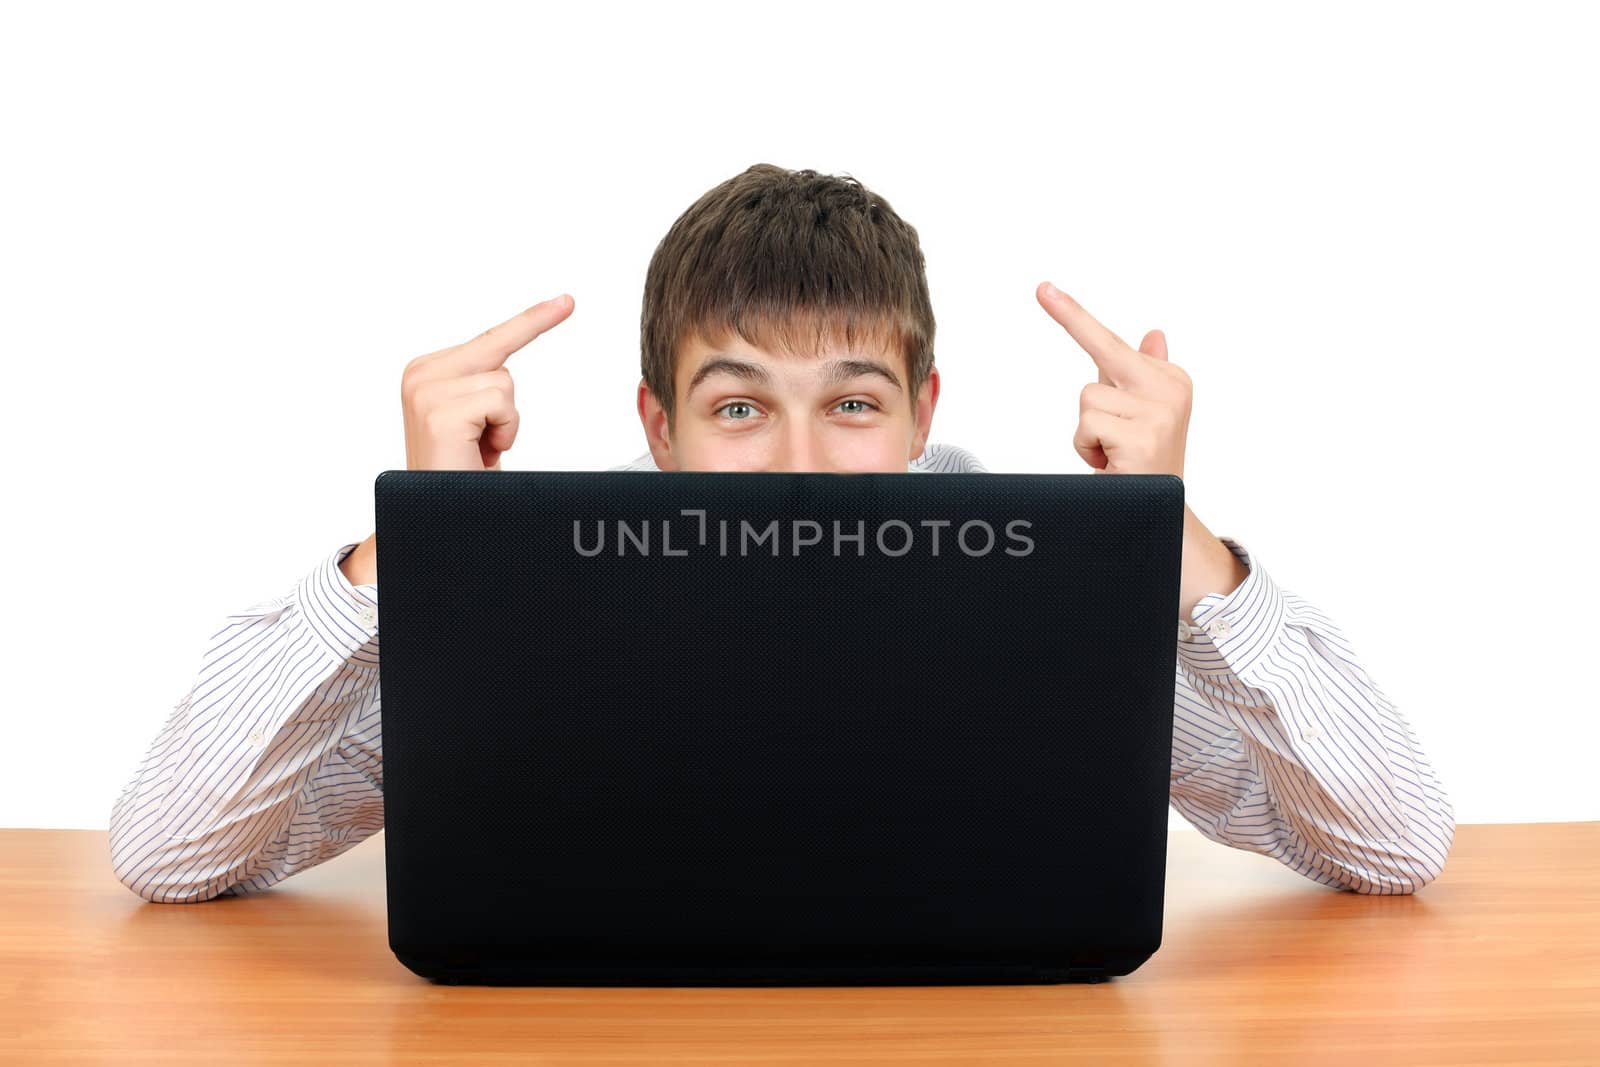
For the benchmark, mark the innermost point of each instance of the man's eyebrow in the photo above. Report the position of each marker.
(840, 370)
(739, 368)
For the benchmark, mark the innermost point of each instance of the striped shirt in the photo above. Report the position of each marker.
(272, 762)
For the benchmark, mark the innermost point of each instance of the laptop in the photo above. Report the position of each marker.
(757, 728)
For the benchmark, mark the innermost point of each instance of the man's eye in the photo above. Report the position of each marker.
(866, 406)
(735, 404)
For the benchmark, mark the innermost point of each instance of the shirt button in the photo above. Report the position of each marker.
(1310, 733)
(255, 739)
(1219, 628)
(369, 617)
(1184, 632)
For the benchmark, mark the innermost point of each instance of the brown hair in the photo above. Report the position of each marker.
(786, 260)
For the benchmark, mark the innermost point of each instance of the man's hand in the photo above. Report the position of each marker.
(1135, 419)
(460, 410)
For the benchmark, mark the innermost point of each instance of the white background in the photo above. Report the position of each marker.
(1369, 232)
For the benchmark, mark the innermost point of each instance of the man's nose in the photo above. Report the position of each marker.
(799, 451)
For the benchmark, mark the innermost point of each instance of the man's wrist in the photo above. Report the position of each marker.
(360, 567)
(1208, 566)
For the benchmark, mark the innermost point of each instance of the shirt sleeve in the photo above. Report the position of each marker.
(1283, 744)
(272, 763)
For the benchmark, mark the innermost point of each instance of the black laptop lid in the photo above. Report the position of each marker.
(770, 728)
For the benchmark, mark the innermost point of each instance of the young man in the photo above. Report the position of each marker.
(787, 326)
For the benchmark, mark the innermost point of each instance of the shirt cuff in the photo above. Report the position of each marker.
(1231, 631)
(343, 617)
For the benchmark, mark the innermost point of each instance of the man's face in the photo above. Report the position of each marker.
(740, 408)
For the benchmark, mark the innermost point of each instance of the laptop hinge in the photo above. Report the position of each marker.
(1082, 968)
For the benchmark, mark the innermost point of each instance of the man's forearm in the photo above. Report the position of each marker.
(1208, 566)
(360, 567)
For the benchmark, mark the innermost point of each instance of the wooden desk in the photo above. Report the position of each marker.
(1497, 961)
